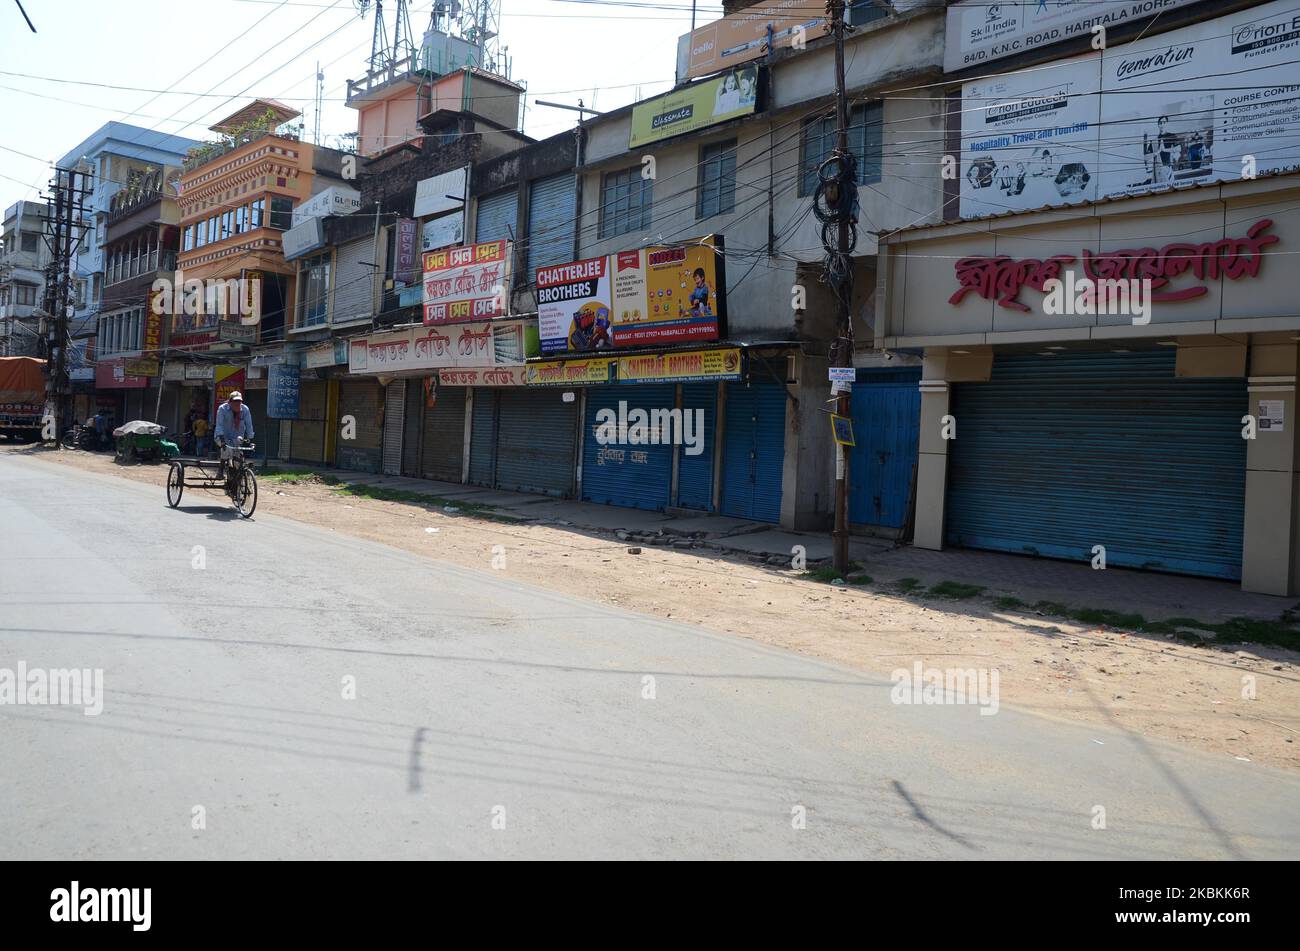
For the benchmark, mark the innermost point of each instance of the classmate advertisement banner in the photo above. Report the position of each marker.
(1215, 101)
(696, 107)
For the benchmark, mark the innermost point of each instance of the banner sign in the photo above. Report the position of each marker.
(408, 259)
(744, 36)
(141, 366)
(471, 282)
(680, 367)
(227, 379)
(570, 372)
(1137, 117)
(282, 387)
(112, 375)
(445, 192)
(153, 323)
(1002, 278)
(651, 296)
(695, 107)
(326, 354)
(497, 376)
(980, 32)
(433, 348)
(442, 232)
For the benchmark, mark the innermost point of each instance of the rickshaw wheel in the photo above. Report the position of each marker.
(175, 484)
(246, 493)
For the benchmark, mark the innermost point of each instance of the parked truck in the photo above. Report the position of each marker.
(22, 397)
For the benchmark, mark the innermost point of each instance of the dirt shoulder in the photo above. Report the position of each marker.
(1146, 684)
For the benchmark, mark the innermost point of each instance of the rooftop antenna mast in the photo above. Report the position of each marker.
(480, 24)
(379, 52)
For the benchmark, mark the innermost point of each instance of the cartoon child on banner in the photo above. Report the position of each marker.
(700, 296)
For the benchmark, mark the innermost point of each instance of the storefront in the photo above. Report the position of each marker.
(753, 450)
(522, 438)
(1107, 427)
(359, 444)
(886, 409)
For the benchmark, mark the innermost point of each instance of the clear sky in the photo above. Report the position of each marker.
(606, 52)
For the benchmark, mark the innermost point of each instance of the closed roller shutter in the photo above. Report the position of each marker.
(255, 400)
(413, 428)
(1056, 455)
(886, 406)
(354, 280)
(308, 440)
(444, 436)
(394, 420)
(360, 401)
(695, 472)
(753, 455)
(496, 217)
(552, 208)
(635, 476)
(483, 437)
(537, 435)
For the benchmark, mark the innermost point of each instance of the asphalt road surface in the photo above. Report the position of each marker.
(496, 720)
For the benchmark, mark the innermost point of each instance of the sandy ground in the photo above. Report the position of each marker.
(1141, 684)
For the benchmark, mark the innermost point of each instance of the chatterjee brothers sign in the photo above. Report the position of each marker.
(1002, 278)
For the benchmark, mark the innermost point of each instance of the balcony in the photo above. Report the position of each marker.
(210, 152)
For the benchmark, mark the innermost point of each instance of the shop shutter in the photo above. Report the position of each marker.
(394, 422)
(360, 400)
(753, 453)
(1057, 454)
(483, 437)
(886, 409)
(552, 208)
(354, 280)
(497, 216)
(695, 473)
(284, 444)
(255, 400)
(622, 474)
(413, 428)
(444, 435)
(308, 440)
(537, 435)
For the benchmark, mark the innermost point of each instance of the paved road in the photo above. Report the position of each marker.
(479, 698)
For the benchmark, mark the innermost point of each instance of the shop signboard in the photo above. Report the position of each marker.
(666, 294)
(680, 366)
(595, 370)
(745, 36)
(980, 31)
(1137, 116)
(433, 348)
(495, 376)
(282, 386)
(408, 256)
(112, 375)
(470, 282)
(227, 379)
(695, 107)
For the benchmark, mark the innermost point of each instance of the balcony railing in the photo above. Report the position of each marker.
(211, 151)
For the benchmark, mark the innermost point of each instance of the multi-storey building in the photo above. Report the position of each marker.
(23, 260)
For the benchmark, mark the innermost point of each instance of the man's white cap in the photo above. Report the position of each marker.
(236, 395)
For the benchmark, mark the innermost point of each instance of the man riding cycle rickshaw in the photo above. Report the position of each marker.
(234, 424)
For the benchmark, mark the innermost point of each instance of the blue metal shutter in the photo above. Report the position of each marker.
(354, 281)
(497, 216)
(695, 473)
(1057, 454)
(753, 453)
(886, 427)
(552, 208)
(537, 439)
(483, 437)
(622, 474)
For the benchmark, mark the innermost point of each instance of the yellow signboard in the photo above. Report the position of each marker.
(746, 35)
(680, 367)
(569, 372)
(695, 107)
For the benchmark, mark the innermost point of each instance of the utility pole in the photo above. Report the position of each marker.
(840, 276)
(61, 234)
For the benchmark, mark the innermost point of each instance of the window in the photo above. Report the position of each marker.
(256, 211)
(313, 290)
(200, 234)
(214, 235)
(241, 219)
(227, 224)
(717, 191)
(187, 236)
(818, 141)
(30, 242)
(282, 213)
(626, 200)
(25, 295)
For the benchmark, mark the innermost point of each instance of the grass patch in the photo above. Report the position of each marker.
(294, 475)
(1281, 632)
(1007, 603)
(859, 579)
(955, 590)
(826, 573)
(907, 585)
(385, 494)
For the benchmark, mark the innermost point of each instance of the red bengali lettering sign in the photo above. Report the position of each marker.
(1002, 278)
